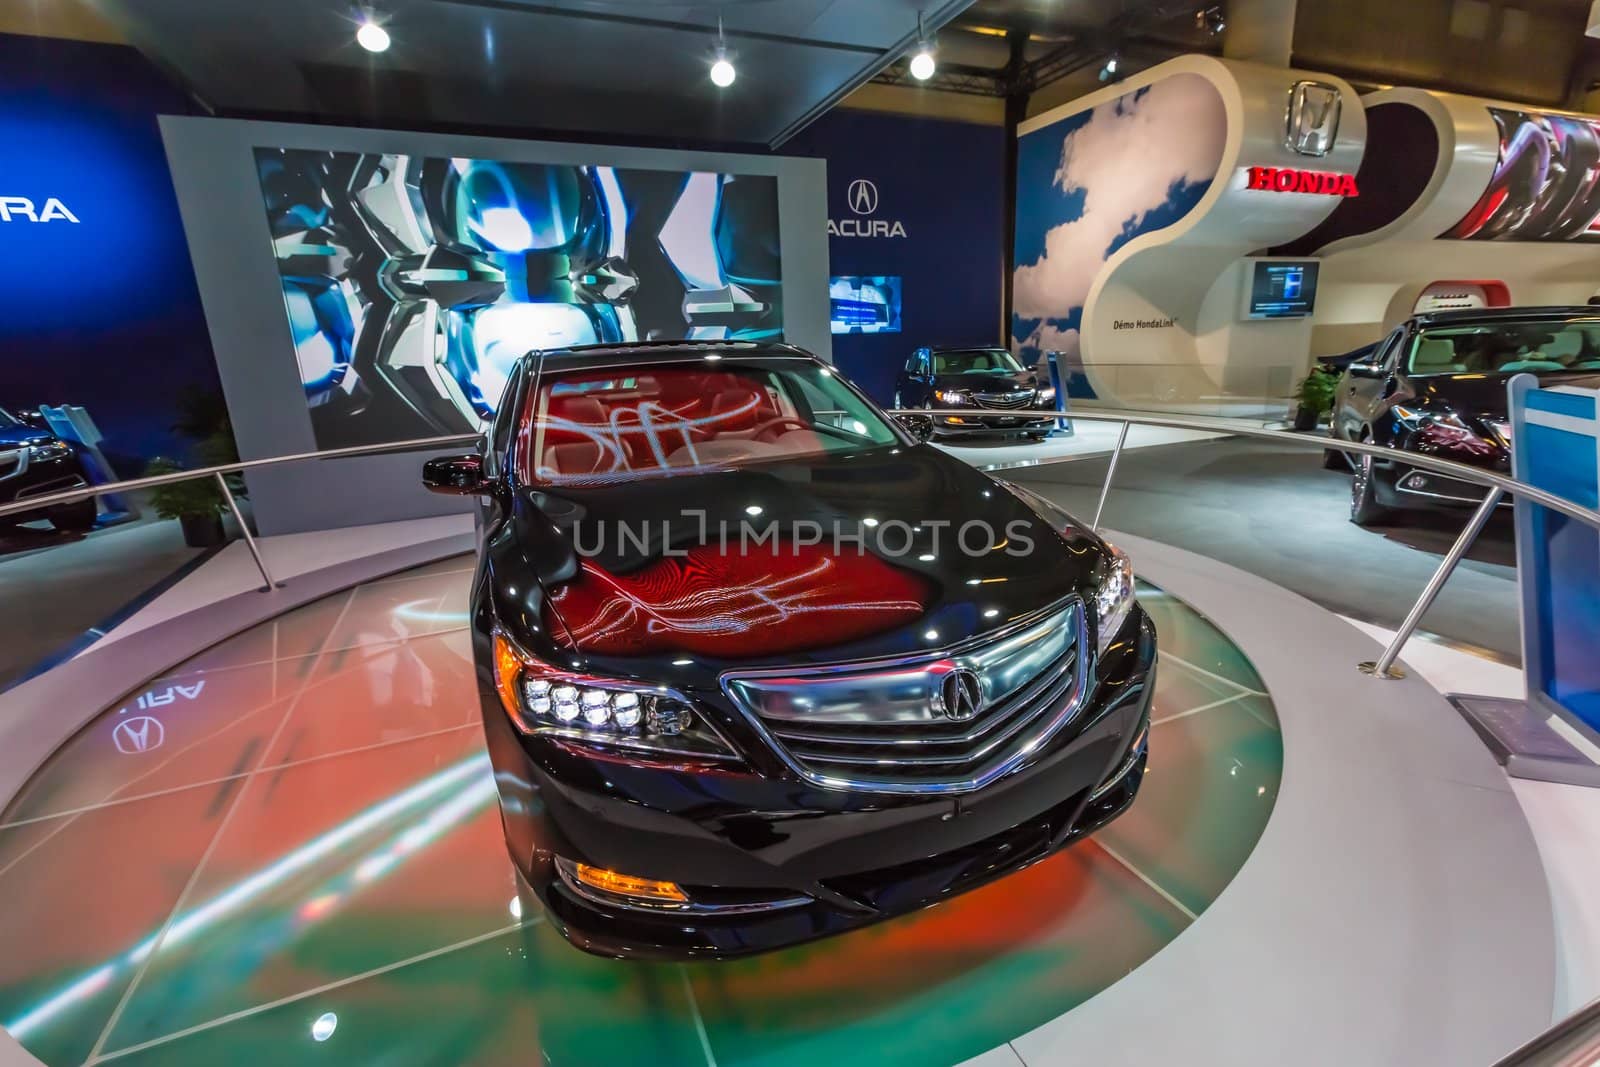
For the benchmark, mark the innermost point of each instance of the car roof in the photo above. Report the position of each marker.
(967, 348)
(1470, 316)
(648, 353)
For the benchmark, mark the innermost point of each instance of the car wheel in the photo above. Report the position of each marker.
(77, 517)
(1364, 507)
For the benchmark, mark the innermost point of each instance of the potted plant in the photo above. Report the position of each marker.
(1315, 394)
(197, 504)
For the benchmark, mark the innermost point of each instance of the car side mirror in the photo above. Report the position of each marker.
(920, 427)
(462, 475)
(1367, 370)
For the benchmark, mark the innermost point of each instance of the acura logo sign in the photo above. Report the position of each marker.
(863, 197)
(960, 694)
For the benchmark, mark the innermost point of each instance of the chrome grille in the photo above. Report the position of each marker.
(880, 725)
(1020, 398)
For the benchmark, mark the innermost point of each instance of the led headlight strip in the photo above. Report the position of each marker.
(540, 698)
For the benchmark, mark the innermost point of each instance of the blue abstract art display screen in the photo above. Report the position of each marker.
(864, 304)
(412, 285)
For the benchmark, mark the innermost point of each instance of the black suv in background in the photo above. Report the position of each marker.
(1436, 386)
(35, 462)
(987, 379)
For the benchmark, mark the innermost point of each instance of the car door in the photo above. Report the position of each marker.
(1366, 387)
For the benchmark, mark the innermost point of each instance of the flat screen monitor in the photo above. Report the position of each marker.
(1281, 289)
(864, 304)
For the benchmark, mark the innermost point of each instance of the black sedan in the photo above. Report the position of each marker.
(984, 379)
(35, 462)
(758, 665)
(1437, 386)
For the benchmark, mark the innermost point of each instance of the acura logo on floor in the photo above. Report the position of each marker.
(861, 197)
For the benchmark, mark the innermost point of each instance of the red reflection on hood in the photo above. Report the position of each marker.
(710, 602)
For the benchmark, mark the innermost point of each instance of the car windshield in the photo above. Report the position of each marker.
(976, 361)
(672, 418)
(1507, 348)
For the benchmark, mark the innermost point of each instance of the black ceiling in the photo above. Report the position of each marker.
(602, 68)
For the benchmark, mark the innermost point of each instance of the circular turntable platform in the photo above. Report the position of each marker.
(286, 850)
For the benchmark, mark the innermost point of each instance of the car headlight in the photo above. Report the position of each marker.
(1047, 396)
(954, 397)
(49, 450)
(541, 699)
(1114, 599)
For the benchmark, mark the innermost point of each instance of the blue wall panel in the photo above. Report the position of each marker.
(103, 311)
(944, 184)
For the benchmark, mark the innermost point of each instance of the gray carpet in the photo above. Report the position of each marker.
(1273, 511)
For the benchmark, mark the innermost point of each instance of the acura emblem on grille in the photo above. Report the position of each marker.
(959, 693)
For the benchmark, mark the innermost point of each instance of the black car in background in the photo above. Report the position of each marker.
(987, 379)
(35, 462)
(751, 670)
(1437, 386)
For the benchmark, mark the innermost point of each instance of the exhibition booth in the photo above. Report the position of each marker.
(293, 802)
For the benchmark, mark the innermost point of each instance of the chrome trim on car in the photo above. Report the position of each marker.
(1136, 750)
(567, 870)
(1023, 711)
(20, 456)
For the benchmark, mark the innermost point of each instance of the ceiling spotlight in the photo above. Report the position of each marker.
(1109, 71)
(1210, 20)
(922, 63)
(722, 72)
(370, 35)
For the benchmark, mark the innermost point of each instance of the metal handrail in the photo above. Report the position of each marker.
(1572, 1042)
(69, 496)
(1497, 484)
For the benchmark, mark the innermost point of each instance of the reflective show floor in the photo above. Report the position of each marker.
(288, 851)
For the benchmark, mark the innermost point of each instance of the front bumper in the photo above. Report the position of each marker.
(771, 861)
(22, 476)
(992, 421)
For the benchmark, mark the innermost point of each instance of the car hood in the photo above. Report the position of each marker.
(686, 576)
(1484, 395)
(14, 436)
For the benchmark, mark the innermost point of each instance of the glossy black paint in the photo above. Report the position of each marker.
(747, 826)
(917, 383)
(35, 462)
(1376, 383)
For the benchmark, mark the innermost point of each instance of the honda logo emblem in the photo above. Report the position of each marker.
(138, 734)
(1313, 119)
(960, 694)
(862, 196)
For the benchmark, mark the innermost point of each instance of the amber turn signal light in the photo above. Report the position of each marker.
(628, 885)
(507, 669)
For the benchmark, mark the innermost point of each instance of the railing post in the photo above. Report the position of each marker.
(250, 542)
(1383, 667)
(1105, 490)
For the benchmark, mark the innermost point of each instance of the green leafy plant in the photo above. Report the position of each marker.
(196, 496)
(1315, 392)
